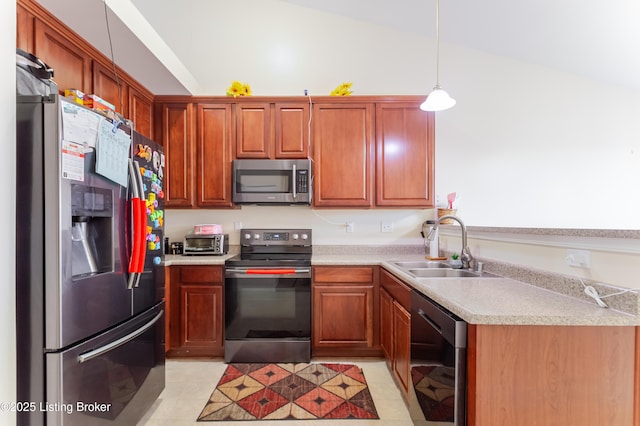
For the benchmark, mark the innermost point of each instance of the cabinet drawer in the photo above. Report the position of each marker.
(396, 288)
(348, 274)
(201, 274)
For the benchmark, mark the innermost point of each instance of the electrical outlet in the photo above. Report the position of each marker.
(237, 226)
(386, 226)
(578, 258)
(349, 226)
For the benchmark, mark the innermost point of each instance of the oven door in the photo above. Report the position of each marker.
(267, 315)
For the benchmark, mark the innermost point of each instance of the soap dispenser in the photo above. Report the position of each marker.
(434, 251)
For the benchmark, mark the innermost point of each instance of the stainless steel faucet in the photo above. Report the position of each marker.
(465, 254)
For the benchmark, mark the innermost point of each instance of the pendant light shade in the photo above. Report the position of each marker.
(438, 99)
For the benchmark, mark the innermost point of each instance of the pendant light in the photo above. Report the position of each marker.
(438, 99)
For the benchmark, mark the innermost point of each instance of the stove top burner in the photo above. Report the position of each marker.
(273, 247)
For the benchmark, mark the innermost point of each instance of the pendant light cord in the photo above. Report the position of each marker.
(437, 44)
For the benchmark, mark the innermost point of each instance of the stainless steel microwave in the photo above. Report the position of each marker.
(272, 181)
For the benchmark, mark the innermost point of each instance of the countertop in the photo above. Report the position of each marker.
(489, 300)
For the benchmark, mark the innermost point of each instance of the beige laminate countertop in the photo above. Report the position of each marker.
(490, 300)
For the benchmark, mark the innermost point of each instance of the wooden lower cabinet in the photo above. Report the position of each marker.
(550, 375)
(344, 319)
(195, 311)
(395, 327)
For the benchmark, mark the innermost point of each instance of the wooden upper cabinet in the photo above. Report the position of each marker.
(254, 139)
(291, 130)
(141, 112)
(272, 130)
(404, 155)
(71, 65)
(214, 155)
(24, 29)
(110, 88)
(129, 101)
(343, 154)
(178, 142)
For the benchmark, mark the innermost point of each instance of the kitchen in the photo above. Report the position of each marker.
(505, 159)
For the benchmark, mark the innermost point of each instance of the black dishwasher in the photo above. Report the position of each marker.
(438, 363)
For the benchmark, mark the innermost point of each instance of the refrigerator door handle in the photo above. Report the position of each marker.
(142, 215)
(134, 280)
(121, 341)
(139, 225)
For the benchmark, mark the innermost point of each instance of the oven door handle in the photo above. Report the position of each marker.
(269, 271)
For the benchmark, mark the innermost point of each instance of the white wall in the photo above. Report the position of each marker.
(525, 146)
(329, 226)
(7, 214)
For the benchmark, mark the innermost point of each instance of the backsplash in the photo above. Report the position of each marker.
(626, 300)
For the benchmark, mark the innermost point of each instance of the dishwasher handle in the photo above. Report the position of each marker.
(431, 322)
(451, 327)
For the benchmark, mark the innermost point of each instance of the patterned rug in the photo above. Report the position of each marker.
(290, 392)
(434, 386)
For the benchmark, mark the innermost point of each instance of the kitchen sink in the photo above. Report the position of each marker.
(429, 264)
(442, 273)
(436, 269)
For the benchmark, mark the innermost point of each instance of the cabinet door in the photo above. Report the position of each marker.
(343, 154)
(402, 345)
(214, 155)
(386, 325)
(404, 155)
(292, 130)
(343, 316)
(71, 65)
(141, 112)
(201, 315)
(110, 88)
(24, 29)
(177, 140)
(517, 373)
(254, 138)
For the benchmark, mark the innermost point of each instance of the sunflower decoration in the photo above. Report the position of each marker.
(342, 90)
(238, 89)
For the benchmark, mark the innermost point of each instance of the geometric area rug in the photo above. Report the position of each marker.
(290, 392)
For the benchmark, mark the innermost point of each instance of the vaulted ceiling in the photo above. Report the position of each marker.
(600, 40)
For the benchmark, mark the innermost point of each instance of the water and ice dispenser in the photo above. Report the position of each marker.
(92, 230)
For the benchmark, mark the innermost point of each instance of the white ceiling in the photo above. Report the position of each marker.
(600, 40)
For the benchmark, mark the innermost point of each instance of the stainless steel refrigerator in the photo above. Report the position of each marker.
(90, 269)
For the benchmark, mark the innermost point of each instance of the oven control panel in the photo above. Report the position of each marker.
(275, 236)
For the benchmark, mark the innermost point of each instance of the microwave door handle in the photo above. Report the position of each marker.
(294, 183)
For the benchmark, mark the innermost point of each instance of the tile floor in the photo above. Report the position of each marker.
(189, 384)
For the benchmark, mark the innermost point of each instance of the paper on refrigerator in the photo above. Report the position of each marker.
(79, 125)
(112, 153)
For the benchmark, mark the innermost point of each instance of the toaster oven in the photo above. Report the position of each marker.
(206, 244)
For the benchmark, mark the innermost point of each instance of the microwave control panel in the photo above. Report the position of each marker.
(302, 181)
